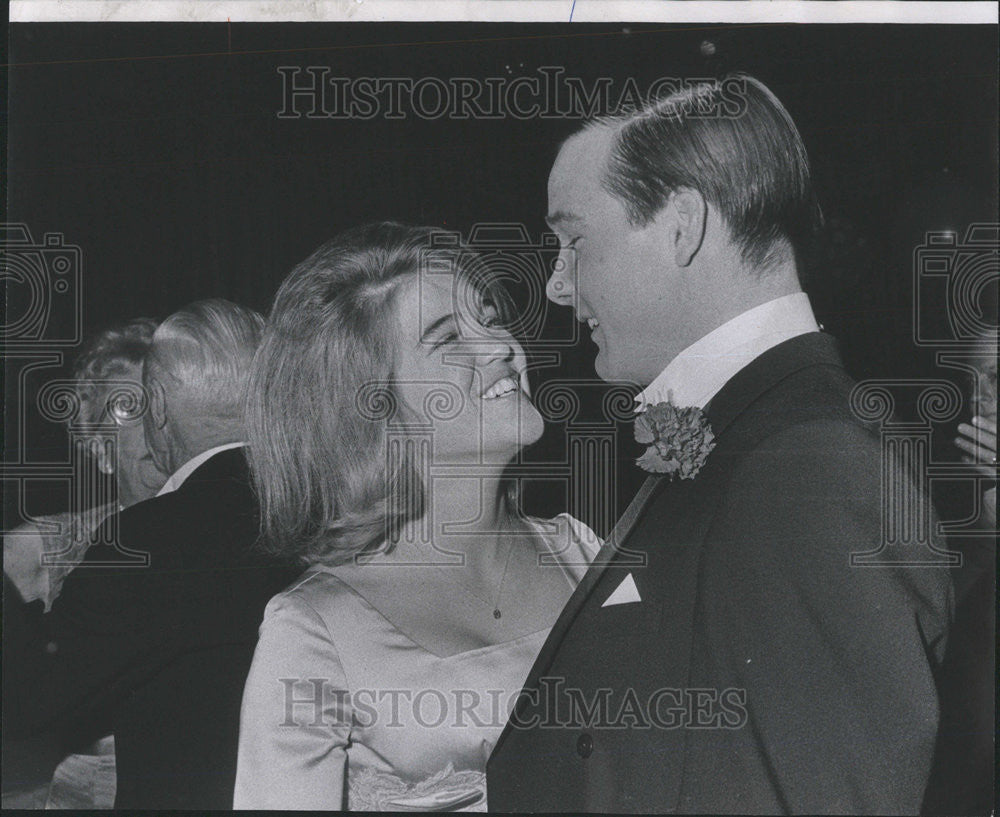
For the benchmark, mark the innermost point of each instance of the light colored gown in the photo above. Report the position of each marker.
(342, 710)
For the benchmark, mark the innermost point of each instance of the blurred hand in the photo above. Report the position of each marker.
(23, 549)
(990, 512)
(979, 442)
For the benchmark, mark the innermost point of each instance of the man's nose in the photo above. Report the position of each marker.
(559, 288)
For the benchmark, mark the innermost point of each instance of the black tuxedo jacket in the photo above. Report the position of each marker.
(760, 672)
(159, 654)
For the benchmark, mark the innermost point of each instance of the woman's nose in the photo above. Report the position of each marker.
(499, 346)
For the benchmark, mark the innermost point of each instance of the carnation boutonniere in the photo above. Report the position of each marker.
(679, 439)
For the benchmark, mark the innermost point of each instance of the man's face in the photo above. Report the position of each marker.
(617, 277)
(138, 476)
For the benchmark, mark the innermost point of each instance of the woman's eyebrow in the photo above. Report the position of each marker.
(435, 326)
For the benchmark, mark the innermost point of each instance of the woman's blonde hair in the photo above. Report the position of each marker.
(316, 427)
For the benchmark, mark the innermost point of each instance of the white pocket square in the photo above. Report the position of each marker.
(625, 593)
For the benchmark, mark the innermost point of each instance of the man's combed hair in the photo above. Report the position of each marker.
(732, 141)
(321, 395)
(207, 348)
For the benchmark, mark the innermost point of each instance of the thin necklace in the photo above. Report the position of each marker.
(503, 578)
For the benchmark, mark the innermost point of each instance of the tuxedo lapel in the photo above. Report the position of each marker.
(613, 547)
(605, 556)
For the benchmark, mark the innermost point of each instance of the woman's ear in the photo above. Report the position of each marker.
(690, 217)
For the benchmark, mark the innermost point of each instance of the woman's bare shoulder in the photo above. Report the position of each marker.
(567, 533)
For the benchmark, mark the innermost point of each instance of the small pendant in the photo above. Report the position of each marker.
(496, 613)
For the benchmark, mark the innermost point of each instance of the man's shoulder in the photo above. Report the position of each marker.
(204, 503)
(810, 407)
(798, 431)
(803, 432)
(216, 512)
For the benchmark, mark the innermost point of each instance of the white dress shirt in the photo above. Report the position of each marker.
(177, 478)
(698, 373)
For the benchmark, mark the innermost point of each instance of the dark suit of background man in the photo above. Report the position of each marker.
(747, 667)
(159, 654)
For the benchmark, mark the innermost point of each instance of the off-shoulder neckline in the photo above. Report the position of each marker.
(544, 534)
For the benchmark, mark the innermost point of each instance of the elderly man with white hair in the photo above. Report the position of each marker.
(156, 646)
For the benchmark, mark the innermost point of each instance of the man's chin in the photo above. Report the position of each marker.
(604, 367)
(145, 486)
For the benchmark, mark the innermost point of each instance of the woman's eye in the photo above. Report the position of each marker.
(124, 409)
(451, 337)
(490, 319)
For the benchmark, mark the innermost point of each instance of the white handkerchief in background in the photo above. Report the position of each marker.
(625, 593)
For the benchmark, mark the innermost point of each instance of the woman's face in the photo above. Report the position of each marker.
(461, 374)
(137, 476)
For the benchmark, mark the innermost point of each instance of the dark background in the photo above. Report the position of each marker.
(157, 150)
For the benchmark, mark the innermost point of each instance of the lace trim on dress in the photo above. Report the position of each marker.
(448, 790)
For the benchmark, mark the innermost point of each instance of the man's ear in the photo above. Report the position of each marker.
(691, 215)
(157, 403)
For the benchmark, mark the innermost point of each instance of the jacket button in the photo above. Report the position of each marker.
(584, 745)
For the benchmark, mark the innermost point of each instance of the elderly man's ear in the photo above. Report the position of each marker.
(157, 404)
(684, 218)
(156, 429)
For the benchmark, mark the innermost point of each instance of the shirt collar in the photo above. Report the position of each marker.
(698, 373)
(177, 478)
